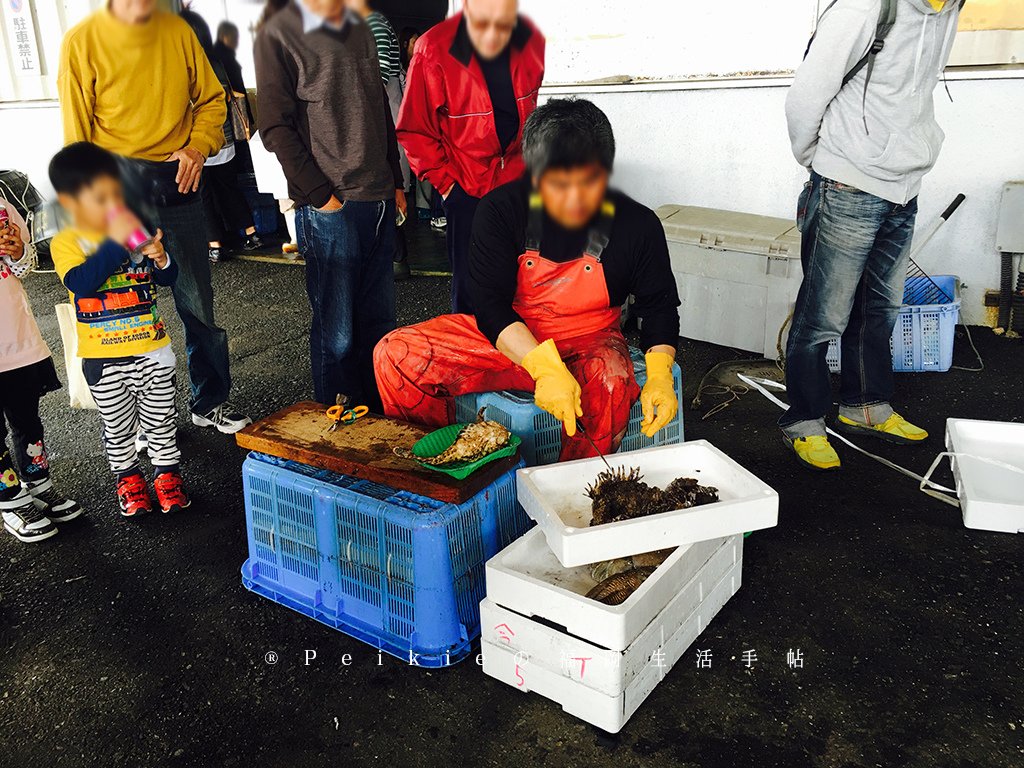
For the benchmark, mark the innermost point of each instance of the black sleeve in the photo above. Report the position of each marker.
(654, 286)
(494, 266)
(87, 277)
(392, 138)
(167, 275)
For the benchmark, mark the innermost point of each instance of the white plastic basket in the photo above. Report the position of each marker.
(554, 497)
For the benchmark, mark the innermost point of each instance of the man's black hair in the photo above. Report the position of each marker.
(226, 28)
(79, 165)
(567, 133)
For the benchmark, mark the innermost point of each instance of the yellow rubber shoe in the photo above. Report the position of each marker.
(816, 452)
(895, 429)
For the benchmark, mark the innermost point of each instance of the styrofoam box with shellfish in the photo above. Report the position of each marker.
(527, 578)
(599, 685)
(555, 497)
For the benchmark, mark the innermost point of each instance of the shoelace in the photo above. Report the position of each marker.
(134, 492)
(171, 488)
(29, 513)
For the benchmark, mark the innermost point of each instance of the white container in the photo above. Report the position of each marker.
(646, 663)
(553, 495)
(988, 465)
(527, 578)
(610, 672)
(737, 274)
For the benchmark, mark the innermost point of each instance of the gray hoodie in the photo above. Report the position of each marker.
(900, 142)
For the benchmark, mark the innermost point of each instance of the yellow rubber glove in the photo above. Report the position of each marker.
(658, 397)
(557, 392)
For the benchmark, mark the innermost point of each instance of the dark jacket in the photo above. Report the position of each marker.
(323, 111)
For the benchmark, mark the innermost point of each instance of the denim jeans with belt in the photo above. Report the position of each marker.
(206, 343)
(350, 282)
(854, 252)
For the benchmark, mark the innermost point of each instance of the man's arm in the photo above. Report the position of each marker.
(419, 126)
(844, 35)
(76, 100)
(276, 83)
(654, 287)
(209, 103)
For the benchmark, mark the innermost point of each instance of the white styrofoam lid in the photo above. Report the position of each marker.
(730, 230)
(554, 496)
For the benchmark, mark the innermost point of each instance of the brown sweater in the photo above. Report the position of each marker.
(323, 111)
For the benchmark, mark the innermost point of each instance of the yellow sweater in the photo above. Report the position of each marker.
(143, 91)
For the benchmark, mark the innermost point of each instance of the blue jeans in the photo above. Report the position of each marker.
(206, 344)
(350, 282)
(854, 253)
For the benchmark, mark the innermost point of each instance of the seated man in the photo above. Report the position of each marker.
(553, 258)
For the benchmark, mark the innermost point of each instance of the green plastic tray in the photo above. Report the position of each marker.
(440, 440)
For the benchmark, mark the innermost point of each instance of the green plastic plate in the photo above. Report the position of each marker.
(440, 440)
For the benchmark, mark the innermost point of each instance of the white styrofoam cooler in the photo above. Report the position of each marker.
(602, 686)
(988, 465)
(527, 578)
(737, 274)
(554, 496)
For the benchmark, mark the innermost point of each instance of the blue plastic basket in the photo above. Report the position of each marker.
(922, 339)
(542, 433)
(399, 571)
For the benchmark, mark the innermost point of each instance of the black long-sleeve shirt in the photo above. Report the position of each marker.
(635, 262)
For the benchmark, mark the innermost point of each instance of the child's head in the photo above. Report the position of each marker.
(88, 184)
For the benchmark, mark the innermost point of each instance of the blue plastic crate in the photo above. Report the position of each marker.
(399, 571)
(542, 433)
(922, 339)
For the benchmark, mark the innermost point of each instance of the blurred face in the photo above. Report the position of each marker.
(133, 11)
(93, 205)
(573, 196)
(231, 40)
(490, 24)
(332, 10)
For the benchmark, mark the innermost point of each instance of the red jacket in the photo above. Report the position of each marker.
(446, 123)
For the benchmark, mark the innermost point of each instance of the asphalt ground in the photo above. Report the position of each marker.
(134, 643)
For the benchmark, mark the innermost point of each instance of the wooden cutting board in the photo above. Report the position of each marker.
(362, 449)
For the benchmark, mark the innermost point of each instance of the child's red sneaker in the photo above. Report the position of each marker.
(170, 492)
(133, 495)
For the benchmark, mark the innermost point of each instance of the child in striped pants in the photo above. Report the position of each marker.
(127, 358)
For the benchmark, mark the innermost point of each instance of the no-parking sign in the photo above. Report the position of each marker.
(21, 37)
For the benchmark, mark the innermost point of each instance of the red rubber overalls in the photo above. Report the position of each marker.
(422, 367)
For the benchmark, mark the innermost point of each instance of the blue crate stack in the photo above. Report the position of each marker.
(399, 571)
(542, 433)
(922, 339)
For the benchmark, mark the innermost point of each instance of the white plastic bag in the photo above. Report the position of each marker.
(78, 390)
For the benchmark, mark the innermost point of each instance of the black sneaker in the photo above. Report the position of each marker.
(215, 255)
(24, 521)
(52, 504)
(225, 417)
(253, 242)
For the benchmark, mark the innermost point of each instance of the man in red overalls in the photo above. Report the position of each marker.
(554, 256)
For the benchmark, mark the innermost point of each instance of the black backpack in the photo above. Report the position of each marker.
(886, 21)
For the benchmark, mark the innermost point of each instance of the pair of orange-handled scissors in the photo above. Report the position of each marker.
(340, 414)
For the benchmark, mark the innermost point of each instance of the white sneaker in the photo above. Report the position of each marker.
(56, 507)
(24, 521)
(225, 417)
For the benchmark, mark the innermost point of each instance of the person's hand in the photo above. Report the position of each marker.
(11, 243)
(658, 397)
(122, 225)
(557, 390)
(190, 169)
(155, 250)
(332, 205)
(400, 202)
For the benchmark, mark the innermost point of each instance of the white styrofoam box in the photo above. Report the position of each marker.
(520, 671)
(605, 670)
(527, 578)
(554, 496)
(991, 496)
(737, 274)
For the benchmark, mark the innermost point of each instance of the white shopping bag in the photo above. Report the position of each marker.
(78, 390)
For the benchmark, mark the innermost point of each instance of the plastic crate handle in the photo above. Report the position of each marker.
(941, 492)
